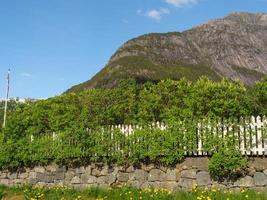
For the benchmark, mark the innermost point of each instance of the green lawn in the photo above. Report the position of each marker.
(65, 193)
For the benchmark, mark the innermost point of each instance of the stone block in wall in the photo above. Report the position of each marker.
(44, 177)
(156, 175)
(51, 168)
(260, 179)
(131, 176)
(61, 169)
(23, 175)
(88, 170)
(190, 173)
(147, 168)
(172, 175)
(39, 169)
(155, 185)
(265, 172)
(247, 181)
(170, 185)
(145, 185)
(69, 175)
(80, 170)
(32, 181)
(76, 180)
(31, 178)
(187, 183)
(59, 182)
(163, 168)
(200, 164)
(3, 175)
(117, 169)
(96, 172)
(88, 179)
(101, 180)
(259, 164)
(122, 177)
(105, 171)
(84, 178)
(12, 176)
(91, 180)
(110, 179)
(251, 171)
(135, 184)
(203, 178)
(4, 181)
(260, 189)
(130, 169)
(182, 167)
(32, 175)
(58, 175)
(106, 180)
(140, 175)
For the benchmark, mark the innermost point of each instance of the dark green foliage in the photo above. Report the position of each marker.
(259, 97)
(163, 146)
(227, 164)
(226, 99)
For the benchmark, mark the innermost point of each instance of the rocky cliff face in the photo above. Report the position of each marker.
(233, 47)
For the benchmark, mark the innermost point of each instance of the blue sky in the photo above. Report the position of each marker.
(51, 45)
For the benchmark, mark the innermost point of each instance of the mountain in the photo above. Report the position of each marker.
(234, 47)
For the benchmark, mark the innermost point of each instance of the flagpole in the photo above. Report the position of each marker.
(7, 96)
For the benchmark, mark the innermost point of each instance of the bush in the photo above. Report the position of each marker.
(157, 146)
(227, 164)
(70, 116)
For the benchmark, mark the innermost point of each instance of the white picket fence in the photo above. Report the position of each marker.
(251, 134)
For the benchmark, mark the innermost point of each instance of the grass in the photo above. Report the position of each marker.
(65, 193)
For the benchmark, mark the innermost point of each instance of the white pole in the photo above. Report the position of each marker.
(7, 96)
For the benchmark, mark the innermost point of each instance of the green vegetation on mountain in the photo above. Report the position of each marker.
(142, 70)
(248, 72)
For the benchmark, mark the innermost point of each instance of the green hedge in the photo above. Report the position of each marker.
(146, 144)
(169, 101)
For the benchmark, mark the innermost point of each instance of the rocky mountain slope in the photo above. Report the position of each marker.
(233, 47)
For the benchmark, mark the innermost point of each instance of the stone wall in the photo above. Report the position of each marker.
(182, 176)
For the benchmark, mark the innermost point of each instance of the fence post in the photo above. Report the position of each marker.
(199, 127)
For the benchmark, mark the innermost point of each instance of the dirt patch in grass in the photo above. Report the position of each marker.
(16, 197)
